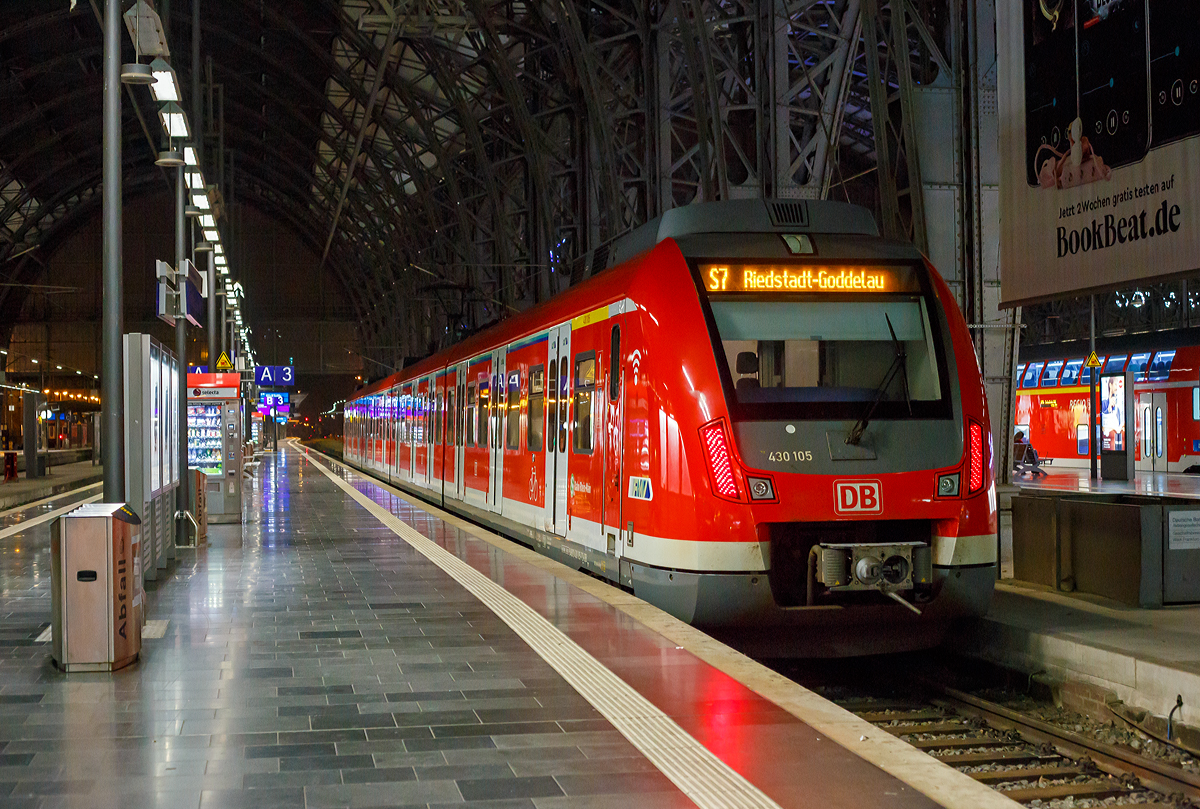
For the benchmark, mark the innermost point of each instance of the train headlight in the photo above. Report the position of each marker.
(761, 488)
(947, 485)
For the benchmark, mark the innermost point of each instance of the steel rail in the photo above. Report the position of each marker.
(1110, 758)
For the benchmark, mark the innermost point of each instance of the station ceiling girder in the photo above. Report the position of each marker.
(479, 149)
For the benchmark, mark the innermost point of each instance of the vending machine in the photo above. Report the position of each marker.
(215, 441)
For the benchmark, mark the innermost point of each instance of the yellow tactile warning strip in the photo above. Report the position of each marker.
(927, 775)
(704, 778)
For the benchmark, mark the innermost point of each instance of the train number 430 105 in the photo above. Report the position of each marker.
(785, 455)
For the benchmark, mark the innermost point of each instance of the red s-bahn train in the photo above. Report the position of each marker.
(1054, 406)
(761, 417)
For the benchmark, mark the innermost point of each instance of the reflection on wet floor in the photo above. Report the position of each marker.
(1153, 484)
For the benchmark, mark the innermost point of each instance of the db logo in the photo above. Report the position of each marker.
(857, 497)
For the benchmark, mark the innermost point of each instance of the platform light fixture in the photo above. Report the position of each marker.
(212, 235)
(189, 156)
(207, 221)
(166, 85)
(169, 158)
(201, 201)
(195, 179)
(174, 120)
(203, 247)
(191, 211)
(136, 73)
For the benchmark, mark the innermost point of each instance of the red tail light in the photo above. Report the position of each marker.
(720, 460)
(975, 447)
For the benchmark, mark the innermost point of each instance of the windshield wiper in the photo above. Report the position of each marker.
(899, 365)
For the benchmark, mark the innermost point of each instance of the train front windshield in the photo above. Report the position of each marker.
(806, 355)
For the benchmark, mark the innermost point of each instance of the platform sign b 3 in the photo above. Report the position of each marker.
(270, 375)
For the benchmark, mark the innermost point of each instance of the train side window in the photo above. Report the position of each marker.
(513, 414)
(439, 412)
(451, 416)
(469, 437)
(564, 387)
(585, 385)
(552, 411)
(614, 368)
(535, 411)
(481, 428)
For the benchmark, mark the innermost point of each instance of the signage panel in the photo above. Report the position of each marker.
(1099, 107)
(805, 278)
(271, 375)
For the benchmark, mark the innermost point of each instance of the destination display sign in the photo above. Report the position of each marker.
(805, 278)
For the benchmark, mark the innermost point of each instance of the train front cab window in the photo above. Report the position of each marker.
(585, 385)
(826, 352)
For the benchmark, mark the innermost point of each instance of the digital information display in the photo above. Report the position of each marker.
(805, 278)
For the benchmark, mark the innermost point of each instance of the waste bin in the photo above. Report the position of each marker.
(96, 588)
(199, 492)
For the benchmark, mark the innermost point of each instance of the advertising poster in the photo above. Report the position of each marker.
(1099, 125)
(1112, 412)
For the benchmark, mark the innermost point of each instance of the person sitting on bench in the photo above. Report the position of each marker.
(1025, 456)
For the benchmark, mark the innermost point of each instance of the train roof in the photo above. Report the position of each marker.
(742, 216)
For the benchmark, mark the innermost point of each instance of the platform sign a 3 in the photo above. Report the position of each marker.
(272, 375)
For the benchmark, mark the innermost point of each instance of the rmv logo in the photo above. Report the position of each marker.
(857, 497)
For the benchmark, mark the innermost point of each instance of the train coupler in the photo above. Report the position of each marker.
(886, 567)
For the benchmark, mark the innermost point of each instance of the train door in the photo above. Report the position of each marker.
(406, 427)
(420, 439)
(558, 386)
(430, 420)
(460, 453)
(437, 392)
(1152, 432)
(613, 435)
(447, 445)
(495, 498)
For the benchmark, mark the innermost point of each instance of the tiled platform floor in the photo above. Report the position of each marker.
(314, 659)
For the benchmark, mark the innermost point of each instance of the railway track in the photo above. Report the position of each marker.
(1033, 762)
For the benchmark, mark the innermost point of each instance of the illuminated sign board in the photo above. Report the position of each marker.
(805, 278)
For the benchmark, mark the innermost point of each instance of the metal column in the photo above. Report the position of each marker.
(111, 385)
(212, 324)
(1093, 373)
(181, 495)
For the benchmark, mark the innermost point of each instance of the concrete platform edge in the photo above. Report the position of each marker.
(51, 489)
(1139, 683)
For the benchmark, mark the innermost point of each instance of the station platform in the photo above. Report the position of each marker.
(1146, 657)
(62, 478)
(347, 647)
(1147, 484)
